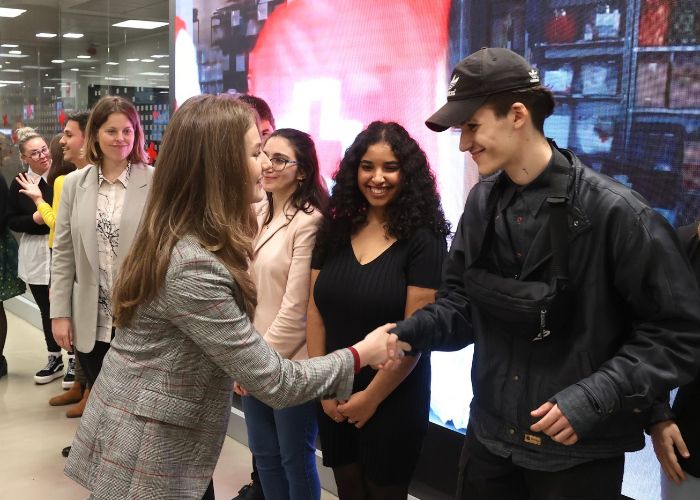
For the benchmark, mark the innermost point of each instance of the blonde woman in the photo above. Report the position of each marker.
(34, 258)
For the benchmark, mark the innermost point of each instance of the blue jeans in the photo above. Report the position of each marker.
(284, 445)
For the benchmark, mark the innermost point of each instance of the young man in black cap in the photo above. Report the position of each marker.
(577, 297)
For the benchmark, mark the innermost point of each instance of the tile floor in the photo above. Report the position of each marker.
(32, 433)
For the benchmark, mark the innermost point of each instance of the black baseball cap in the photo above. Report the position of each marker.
(485, 72)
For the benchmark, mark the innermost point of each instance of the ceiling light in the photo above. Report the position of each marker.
(153, 73)
(15, 56)
(9, 70)
(115, 78)
(74, 69)
(72, 35)
(46, 35)
(164, 66)
(5, 12)
(83, 57)
(132, 59)
(48, 88)
(143, 25)
(159, 56)
(10, 45)
(12, 82)
(147, 60)
(3, 85)
(111, 63)
(33, 66)
(58, 61)
(14, 51)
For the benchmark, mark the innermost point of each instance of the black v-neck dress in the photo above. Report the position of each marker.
(354, 299)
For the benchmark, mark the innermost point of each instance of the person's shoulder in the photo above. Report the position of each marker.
(605, 192)
(311, 215)
(78, 175)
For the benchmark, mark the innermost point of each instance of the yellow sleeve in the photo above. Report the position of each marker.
(48, 212)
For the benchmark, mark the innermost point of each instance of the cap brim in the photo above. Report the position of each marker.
(454, 113)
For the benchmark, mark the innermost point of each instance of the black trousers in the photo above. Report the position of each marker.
(41, 297)
(92, 361)
(485, 476)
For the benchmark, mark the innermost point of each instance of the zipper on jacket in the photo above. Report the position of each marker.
(544, 332)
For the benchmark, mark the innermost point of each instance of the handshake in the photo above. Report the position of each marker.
(381, 349)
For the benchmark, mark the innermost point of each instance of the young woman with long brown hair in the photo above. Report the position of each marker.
(183, 303)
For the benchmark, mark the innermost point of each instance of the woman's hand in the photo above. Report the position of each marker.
(62, 329)
(330, 408)
(359, 408)
(29, 188)
(239, 389)
(664, 436)
(374, 349)
(37, 218)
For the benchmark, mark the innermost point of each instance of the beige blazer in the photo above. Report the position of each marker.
(75, 261)
(157, 416)
(282, 273)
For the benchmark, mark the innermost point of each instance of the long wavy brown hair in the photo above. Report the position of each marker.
(201, 187)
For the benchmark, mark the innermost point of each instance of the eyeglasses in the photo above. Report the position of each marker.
(36, 154)
(279, 164)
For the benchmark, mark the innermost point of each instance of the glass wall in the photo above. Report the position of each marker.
(62, 55)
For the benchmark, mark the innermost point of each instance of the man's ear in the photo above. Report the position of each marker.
(519, 114)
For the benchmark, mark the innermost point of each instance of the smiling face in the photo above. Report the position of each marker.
(490, 140)
(281, 183)
(257, 161)
(379, 175)
(36, 154)
(72, 142)
(116, 137)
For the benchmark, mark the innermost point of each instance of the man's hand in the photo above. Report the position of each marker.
(664, 436)
(330, 408)
(62, 329)
(375, 351)
(358, 409)
(554, 424)
(396, 350)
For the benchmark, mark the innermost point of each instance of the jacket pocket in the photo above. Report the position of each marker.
(166, 408)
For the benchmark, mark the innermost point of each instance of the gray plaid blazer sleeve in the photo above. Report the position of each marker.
(199, 297)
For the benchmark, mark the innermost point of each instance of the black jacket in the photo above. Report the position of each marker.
(20, 209)
(686, 407)
(633, 333)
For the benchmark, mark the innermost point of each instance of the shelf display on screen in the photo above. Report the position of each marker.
(625, 76)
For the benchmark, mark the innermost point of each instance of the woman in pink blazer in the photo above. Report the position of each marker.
(283, 441)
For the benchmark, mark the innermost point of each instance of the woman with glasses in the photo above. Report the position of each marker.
(34, 257)
(99, 212)
(283, 441)
(378, 259)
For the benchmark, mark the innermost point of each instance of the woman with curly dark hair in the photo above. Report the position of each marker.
(378, 259)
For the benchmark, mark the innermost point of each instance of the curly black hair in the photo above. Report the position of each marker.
(416, 206)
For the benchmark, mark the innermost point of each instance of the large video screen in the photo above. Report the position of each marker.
(626, 76)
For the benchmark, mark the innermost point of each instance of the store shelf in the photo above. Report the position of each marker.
(582, 48)
(668, 111)
(669, 48)
(598, 97)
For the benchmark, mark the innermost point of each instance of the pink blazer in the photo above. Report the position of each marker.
(282, 273)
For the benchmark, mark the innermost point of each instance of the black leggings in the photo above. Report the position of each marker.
(209, 494)
(41, 297)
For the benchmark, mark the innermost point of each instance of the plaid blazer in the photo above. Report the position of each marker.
(157, 415)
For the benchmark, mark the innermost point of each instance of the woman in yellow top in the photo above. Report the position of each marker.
(67, 146)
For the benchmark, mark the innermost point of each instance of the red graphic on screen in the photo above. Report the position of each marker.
(62, 118)
(152, 153)
(331, 68)
(156, 114)
(5, 121)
